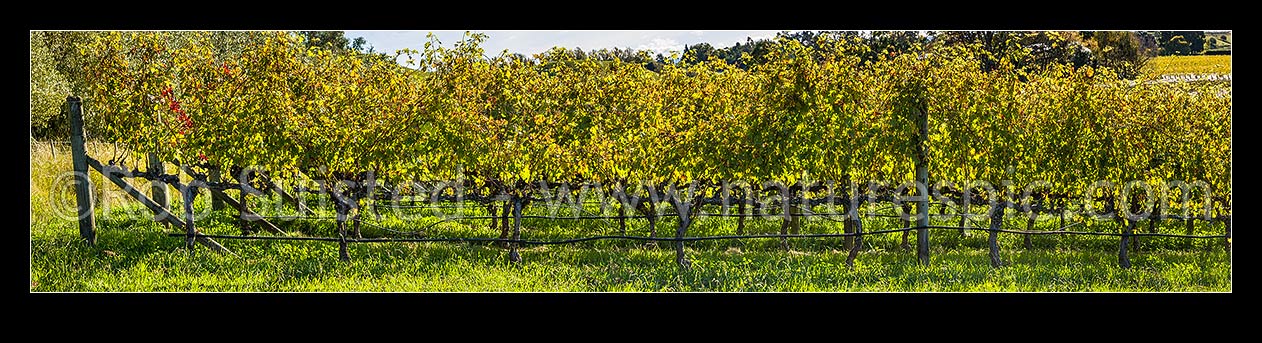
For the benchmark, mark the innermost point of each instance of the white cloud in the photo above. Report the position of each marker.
(661, 45)
(763, 36)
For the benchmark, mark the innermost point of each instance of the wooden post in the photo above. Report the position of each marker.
(848, 225)
(83, 186)
(922, 178)
(795, 209)
(215, 203)
(505, 229)
(242, 212)
(189, 192)
(343, 252)
(158, 188)
(491, 212)
(513, 256)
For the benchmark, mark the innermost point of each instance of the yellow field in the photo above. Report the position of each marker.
(1173, 65)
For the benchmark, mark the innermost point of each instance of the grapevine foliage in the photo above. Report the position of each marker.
(817, 112)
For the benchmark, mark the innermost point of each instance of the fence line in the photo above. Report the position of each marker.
(683, 239)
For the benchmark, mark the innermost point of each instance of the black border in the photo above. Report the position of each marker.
(843, 309)
(631, 15)
(1066, 310)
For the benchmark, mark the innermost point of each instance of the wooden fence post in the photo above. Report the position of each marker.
(513, 256)
(83, 186)
(215, 203)
(158, 188)
(189, 192)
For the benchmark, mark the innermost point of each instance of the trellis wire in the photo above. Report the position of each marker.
(685, 239)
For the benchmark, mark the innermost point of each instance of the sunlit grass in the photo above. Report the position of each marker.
(135, 254)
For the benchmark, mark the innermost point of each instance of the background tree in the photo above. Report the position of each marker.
(48, 90)
(1120, 51)
(699, 53)
(992, 47)
(753, 52)
(1148, 43)
(1181, 42)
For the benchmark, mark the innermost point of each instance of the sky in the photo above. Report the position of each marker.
(537, 41)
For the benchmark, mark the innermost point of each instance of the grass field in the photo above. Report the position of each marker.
(1183, 65)
(135, 254)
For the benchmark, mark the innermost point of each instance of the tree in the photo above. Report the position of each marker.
(1148, 43)
(1120, 51)
(66, 58)
(359, 43)
(1054, 47)
(48, 88)
(1181, 42)
(699, 53)
(992, 46)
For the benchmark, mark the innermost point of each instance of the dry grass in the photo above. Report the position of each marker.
(52, 184)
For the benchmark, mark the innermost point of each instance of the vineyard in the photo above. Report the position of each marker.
(1189, 65)
(815, 133)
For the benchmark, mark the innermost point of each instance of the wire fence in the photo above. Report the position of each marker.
(419, 236)
(682, 239)
(803, 208)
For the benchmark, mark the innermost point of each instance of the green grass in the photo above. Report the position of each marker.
(143, 258)
(135, 254)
